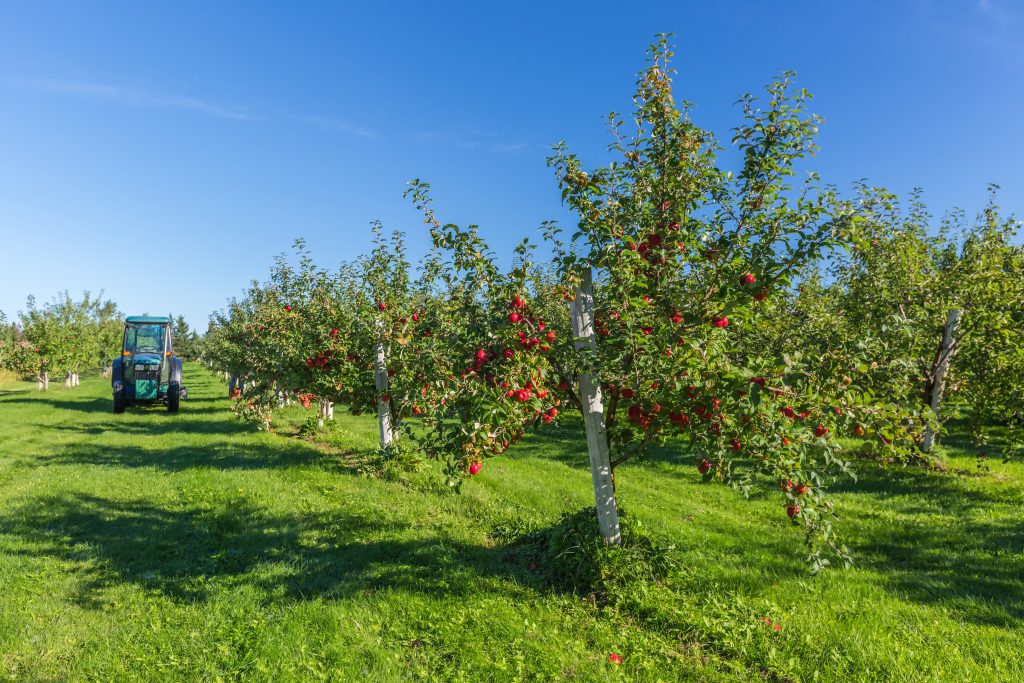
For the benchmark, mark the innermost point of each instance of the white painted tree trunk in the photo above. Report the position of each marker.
(323, 414)
(330, 410)
(68, 380)
(946, 352)
(75, 380)
(232, 383)
(43, 381)
(582, 313)
(380, 376)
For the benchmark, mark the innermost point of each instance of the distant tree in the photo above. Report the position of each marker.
(63, 337)
(186, 342)
(6, 342)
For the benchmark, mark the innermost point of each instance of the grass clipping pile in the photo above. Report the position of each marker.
(571, 556)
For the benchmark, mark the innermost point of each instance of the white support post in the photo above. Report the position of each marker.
(380, 376)
(582, 313)
(946, 352)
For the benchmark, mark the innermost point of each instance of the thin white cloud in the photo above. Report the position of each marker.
(143, 98)
(997, 12)
(138, 97)
(338, 125)
(473, 140)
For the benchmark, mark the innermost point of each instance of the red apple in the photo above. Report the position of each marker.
(793, 510)
(474, 468)
(720, 321)
(748, 279)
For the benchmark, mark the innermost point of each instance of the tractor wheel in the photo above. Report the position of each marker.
(173, 397)
(120, 401)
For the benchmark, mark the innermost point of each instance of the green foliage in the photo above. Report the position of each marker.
(887, 299)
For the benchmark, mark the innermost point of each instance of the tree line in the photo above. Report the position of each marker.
(65, 337)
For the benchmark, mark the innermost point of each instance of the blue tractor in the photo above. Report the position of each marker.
(147, 371)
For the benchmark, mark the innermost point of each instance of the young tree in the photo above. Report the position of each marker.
(683, 256)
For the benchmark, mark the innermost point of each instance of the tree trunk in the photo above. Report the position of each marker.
(582, 313)
(43, 381)
(67, 381)
(939, 370)
(380, 376)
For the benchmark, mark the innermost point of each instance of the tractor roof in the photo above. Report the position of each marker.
(148, 319)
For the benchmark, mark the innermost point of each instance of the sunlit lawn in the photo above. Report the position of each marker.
(148, 546)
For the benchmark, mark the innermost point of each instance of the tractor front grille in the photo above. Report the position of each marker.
(146, 372)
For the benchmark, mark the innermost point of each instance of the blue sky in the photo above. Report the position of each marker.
(165, 154)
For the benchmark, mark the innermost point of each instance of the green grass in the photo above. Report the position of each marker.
(147, 546)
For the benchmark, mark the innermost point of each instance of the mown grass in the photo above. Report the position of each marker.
(191, 547)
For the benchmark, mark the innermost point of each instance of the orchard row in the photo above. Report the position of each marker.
(691, 304)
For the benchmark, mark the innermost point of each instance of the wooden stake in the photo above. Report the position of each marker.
(582, 313)
(380, 375)
(946, 352)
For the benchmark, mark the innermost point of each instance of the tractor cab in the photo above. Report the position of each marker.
(147, 371)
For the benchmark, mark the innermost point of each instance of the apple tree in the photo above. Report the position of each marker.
(683, 256)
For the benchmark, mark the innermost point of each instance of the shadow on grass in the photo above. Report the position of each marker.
(156, 424)
(226, 455)
(188, 554)
(934, 548)
(66, 401)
